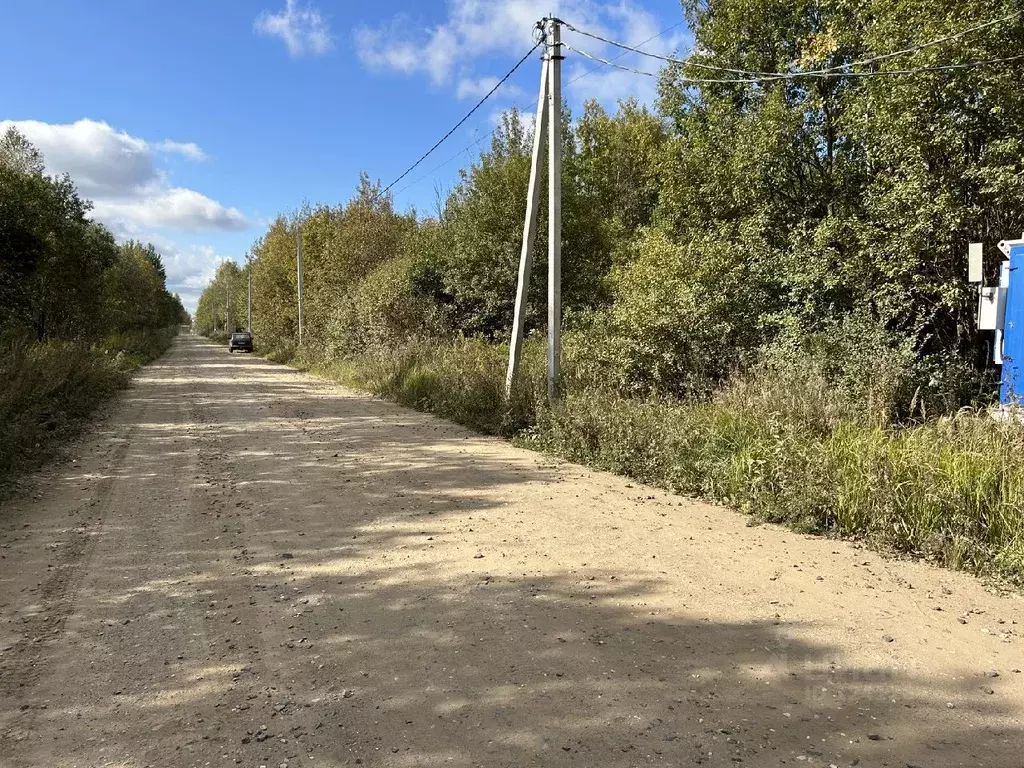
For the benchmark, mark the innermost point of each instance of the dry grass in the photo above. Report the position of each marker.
(50, 387)
(784, 451)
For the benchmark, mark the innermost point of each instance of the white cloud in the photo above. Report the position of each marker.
(173, 209)
(188, 149)
(302, 29)
(188, 270)
(381, 49)
(473, 29)
(119, 173)
(479, 87)
(102, 161)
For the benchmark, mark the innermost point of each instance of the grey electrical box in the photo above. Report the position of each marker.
(974, 263)
(991, 308)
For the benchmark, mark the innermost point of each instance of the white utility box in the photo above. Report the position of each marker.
(991, 308)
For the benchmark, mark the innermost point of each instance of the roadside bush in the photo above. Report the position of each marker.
(685, 315)
(281, 352)
(462, 380)
(854, 369)
(799, 454)
(50, 387)
(952, 489)
(850, 370)
(137, 348)
(383, 310)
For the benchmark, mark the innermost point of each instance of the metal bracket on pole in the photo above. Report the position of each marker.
(529, 232)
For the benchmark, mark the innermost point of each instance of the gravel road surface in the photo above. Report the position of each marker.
(244, 565)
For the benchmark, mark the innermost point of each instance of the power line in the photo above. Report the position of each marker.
(610, 62)
(755, 79)
(933, 68)
(633, 49)
(756, 76)
(526, 107)
(467, 116)
(922, 46)
(439, 166)
(624, 53)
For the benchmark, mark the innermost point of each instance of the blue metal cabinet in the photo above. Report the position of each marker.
(1012, 390)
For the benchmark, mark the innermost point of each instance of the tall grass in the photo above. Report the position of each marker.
(951, 490)
(463, 380)
(781, 449)
(50, 387)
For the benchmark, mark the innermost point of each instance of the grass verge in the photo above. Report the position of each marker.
(949, 490)
(51, 387)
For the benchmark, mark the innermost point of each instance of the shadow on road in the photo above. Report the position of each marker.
(373, 586)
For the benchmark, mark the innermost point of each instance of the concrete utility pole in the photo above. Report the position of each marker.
(549, 113)
(248, 303)
(554, 207)
(227, 304)
(298, 266)
(529, 232)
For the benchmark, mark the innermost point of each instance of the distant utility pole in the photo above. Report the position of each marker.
(298, 267)
(248, 304)
(227, 304)
(549, 112)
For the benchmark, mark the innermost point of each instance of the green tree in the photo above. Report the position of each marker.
(135, 295)
(52, 257)
(484, 220)
(222, 304)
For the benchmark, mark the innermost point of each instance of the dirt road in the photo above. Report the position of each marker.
(247, 566)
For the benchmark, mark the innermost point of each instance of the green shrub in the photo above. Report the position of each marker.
(685, 315)
(951, 489)
(462, 380)
(383, 310)
(785, 450)
(49, 387)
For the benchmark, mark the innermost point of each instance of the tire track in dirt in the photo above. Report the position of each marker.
(44, 624)
(285, 572)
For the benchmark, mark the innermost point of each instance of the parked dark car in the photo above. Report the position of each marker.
(240, 341)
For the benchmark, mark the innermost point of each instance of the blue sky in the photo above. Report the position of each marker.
(192, 123)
